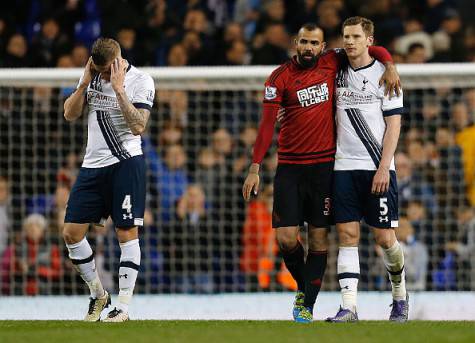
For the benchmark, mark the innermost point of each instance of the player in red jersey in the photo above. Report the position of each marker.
(304, 87)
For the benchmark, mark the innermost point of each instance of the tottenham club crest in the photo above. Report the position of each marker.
(271, 93)
(365, 81)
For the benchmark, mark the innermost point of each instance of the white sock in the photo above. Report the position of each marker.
(394, 261)
(83, 260)
(128, 270)
(348, 269)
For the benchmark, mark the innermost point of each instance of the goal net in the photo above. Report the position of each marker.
(199, 235)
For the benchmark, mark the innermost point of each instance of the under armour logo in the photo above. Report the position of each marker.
(129, 216)
(365, 81)
(384, 219)
(123, 276)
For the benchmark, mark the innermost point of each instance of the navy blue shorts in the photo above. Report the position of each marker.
(353, 200)
(117, 191)
(302, 193)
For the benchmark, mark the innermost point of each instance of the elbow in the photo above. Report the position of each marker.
(137, 130)
(68, 117)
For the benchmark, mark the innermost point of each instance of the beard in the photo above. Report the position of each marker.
(305, 61)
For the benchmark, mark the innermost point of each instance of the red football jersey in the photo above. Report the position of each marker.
(307, 130)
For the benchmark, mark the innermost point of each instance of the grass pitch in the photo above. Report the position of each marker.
(235, 331)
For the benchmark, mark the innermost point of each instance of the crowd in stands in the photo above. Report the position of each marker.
(199, 235)
(59, 33)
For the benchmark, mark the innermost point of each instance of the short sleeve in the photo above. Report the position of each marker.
(391, 106)
(274, 86)
(144, 92)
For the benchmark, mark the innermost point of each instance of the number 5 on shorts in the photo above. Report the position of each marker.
(383, 203)
(126, 204)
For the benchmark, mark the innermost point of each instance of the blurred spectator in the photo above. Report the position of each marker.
(189, 247)
(412, 186)
(16, 54)
(170, 134)
(416, 53)
(222, 144)
(452, 26)
(259, 260)
(65, 61)
(31, 265)
(196, 21)
(233, 32)
(197, 53)
(329, 19)
(414, 33)
(247, 138)
(48, 44)
(177, 56)
(168, 175)
(207, 173)
(274, 47)
(258, 240)
(465, 247)
(416, 257)
(465, 138)
(272, 12)
(236, 54)
(246, 13)
(5, 220)
(421, 221)
(449, 175)
(434, 13)
(421, 157)
(80, 55)
(126, 38)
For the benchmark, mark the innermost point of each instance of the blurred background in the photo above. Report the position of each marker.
(199, 236)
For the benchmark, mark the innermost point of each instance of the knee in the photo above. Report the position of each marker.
(348, 237)
(318, 242)
(385, 239)
(71, 236)
(126, 235)
(286, 241)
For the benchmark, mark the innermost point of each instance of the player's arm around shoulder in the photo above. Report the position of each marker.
(136, 118)
(391, 80)
(74, 105)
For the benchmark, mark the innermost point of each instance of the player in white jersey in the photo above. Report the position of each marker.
(368, 125)
(111, 182)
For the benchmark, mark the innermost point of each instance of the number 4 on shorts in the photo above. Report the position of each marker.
(126, 204)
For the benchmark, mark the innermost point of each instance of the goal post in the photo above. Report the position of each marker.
(199, 235)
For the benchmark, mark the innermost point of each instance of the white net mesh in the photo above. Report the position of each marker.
(199, 235)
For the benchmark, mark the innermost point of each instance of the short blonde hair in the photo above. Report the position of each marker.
(104, 50)
(366, 24)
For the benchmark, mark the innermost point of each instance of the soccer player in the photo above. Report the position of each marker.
(368, 125)
(111, 181)
(304, 87)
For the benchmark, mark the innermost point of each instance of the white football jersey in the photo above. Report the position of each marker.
(360, 110)
(109, 139)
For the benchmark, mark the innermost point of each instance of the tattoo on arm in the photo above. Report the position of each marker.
(136, 118)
